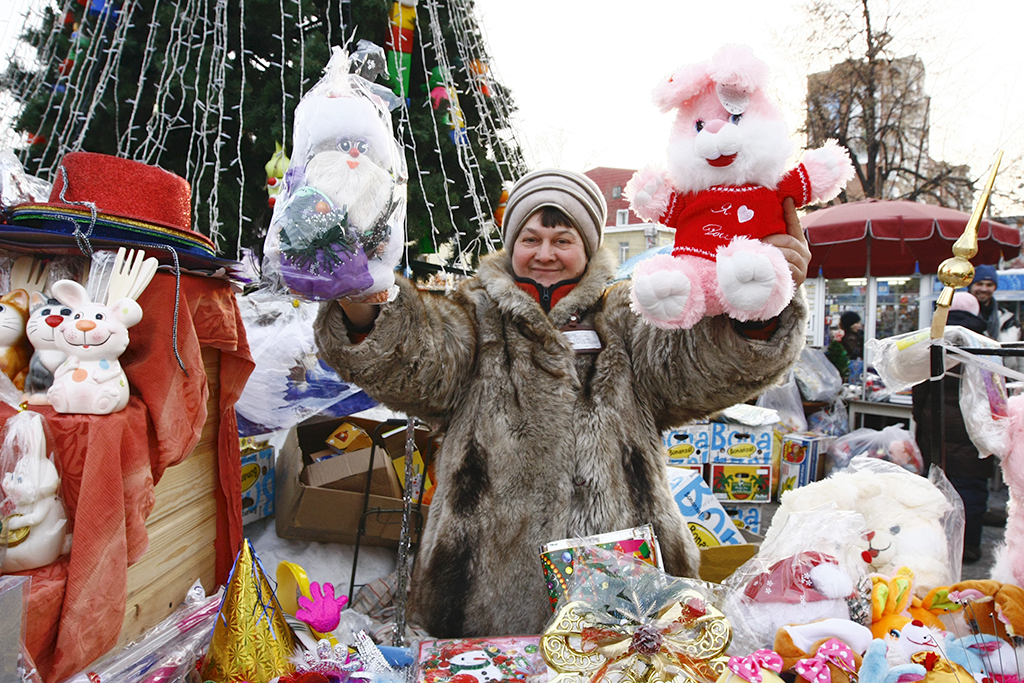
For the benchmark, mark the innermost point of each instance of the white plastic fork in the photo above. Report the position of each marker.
(127, 266)
(30, 274)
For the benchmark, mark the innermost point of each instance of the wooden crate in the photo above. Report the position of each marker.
(182, 527)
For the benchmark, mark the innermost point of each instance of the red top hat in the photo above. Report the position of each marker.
(123, 188)
(136, 204)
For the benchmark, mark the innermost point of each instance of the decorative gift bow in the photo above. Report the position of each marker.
(686, 640)
(832, 651)
(749, 667)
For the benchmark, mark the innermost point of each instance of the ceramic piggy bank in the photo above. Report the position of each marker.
(33, 515)
(91, 380)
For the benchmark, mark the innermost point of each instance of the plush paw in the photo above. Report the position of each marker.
(664, 294)
(648, 193)
(828, 169)
(754, 282)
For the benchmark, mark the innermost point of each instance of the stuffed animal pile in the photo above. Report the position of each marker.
(723, 191)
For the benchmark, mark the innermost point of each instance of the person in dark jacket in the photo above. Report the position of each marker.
(853, 334)
(966, 471)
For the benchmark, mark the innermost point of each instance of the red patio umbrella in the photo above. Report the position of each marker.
(891, 236)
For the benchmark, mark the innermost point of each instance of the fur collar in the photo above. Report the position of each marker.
(495, 276)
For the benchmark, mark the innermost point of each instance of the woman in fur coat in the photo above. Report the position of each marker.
(552, 395)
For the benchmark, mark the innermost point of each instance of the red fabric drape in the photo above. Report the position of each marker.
(111, 463)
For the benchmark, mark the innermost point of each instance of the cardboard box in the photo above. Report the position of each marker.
(717, 563)
(739, 443)
(688, 445)
(708, 522)
(313, 512)
(745, 517)
(748, 483)
(801, 453)
(257, 479)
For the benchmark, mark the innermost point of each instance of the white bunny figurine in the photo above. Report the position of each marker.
(91, 380)
(37, 523)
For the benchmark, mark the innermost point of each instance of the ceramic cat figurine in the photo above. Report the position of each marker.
(91, 381)
(15, 351)
(45, 316)
(33, 515)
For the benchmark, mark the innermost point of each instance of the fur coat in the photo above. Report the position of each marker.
(542, 443)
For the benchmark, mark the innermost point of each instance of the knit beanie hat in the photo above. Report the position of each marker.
(986, 272)
(848, 319)
(575, 194)
(964, 301)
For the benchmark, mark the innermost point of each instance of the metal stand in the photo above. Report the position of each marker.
(387, 515)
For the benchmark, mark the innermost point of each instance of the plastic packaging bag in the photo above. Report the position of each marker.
(16, 186)
(34, 521)
(785, 400)
(905, 360)
(339, 223)
(832, 422)
(893, 444)
(623, 619)
(983, 404)
(809, 571)
(817, 378)
(289, 383)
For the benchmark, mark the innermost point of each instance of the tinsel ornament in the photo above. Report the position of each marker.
(251, 640)
(626, 622)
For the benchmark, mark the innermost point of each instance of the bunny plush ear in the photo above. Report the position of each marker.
(127, 311)
(687, 82)
(70, 293)
(737, 67)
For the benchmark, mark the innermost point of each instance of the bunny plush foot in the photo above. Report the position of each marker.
(665, 295)
(754, 282)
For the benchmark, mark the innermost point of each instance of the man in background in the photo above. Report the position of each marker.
(1000, 324)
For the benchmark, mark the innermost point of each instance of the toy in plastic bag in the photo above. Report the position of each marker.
(808, 572)
(16, 186)
(785, 400)
(289, 383)
(623, 620)
(339, 223)
(893, 443)
(832, 422)
(983, 404)
(166, 652)
(817, 377)
(905, 360)
(910, 520)
(34, 520)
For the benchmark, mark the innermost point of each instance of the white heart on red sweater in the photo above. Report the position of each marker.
(744, 214)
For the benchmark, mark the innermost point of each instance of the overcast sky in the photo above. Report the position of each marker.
(582, 72)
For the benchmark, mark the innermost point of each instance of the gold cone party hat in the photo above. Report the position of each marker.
(251, 641)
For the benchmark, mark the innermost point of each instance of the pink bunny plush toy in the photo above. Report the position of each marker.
(722, 192)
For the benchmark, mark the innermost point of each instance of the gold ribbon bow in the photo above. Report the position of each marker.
(684, 643)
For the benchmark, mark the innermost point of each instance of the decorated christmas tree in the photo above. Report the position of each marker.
(207, 90)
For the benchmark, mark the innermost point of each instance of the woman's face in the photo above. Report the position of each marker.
(548, 255)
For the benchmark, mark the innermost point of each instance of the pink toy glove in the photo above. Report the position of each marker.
(323, 612)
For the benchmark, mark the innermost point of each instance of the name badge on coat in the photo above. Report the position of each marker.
(584, 338)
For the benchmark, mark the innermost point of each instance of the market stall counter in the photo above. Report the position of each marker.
(140, 539)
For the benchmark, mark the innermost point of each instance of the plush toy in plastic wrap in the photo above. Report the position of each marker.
(911, 520)
(34, 524)
(339, 225)
(893, 444)
(803, 575)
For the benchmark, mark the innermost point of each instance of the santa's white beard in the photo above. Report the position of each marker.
(365, 191)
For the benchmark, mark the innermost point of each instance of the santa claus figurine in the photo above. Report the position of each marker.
(338, 229)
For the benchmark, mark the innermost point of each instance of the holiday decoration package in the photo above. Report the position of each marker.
(257, 478)
(317, 512)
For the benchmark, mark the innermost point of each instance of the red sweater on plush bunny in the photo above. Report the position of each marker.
(725, 184)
